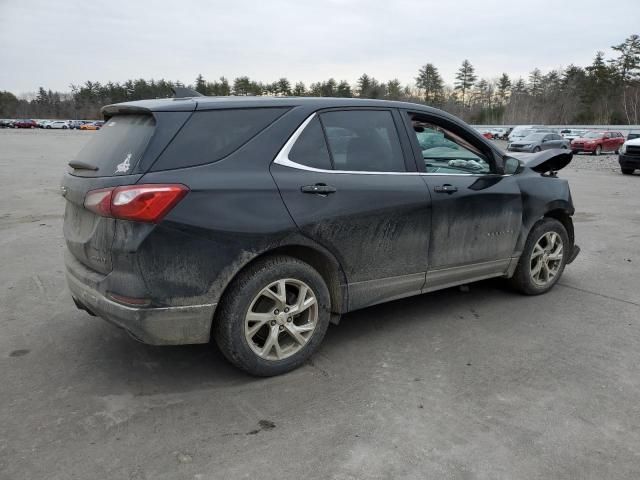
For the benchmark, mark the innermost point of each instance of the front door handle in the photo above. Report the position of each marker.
(319, 188)
(446, 188)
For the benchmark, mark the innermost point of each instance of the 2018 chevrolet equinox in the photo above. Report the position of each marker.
(256, 221)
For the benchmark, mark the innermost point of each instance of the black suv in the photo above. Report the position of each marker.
(257, 221)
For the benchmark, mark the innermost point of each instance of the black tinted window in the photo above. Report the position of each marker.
(364, 140)
(211, 135)
(118, 146)
(311, 148)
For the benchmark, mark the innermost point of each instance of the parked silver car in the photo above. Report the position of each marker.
(535, 142)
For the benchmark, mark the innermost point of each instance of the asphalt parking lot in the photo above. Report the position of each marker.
(477, 384)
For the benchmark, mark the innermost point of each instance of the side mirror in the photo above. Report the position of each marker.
(512, 166)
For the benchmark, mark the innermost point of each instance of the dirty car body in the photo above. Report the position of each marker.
(378, 200)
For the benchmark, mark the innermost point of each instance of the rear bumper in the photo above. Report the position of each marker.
(628, 161)
(155, 326)
(585, 148)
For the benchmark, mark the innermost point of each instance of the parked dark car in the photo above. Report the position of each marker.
(257, 221)
(6, 123)
(25, 124)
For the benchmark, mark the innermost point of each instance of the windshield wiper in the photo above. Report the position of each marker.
(77, 165)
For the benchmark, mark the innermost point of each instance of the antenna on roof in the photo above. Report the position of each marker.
(182, 92)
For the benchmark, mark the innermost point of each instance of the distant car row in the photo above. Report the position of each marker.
(534, 138)
(52, 124)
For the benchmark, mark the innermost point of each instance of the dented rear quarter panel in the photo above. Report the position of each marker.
(232, 214)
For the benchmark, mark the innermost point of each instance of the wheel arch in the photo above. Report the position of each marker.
(319, 258)
(564, 217)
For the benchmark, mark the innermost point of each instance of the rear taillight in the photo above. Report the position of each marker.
(139, 203)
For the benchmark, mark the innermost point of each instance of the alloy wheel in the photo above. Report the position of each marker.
(281, 319)
(546, 259)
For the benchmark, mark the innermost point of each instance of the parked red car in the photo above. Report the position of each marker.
(25, 124)
(598, 142)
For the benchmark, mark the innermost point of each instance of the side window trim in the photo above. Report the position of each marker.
(282, 158)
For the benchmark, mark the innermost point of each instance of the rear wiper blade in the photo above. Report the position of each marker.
(77, 165)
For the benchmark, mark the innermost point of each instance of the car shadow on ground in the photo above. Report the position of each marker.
(174, 369)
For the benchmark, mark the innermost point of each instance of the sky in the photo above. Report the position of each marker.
(57, 43)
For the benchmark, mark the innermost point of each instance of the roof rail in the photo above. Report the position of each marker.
(182, 92)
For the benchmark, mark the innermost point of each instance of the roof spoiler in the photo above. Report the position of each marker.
(183, 92)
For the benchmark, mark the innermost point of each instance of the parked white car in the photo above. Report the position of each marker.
(499, 132)
(60, 124)
(522, 131)
(573, 134)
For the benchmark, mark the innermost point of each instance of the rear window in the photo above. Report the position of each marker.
(211, 135)
(117, 147)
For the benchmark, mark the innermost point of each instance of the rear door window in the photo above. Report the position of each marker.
(211, 135)
(117, 147)
(363, 140)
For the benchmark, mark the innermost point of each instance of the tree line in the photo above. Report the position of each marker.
(605, 92)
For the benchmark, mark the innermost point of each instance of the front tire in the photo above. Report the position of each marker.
(597, 151)
(536, 149)
(627, 171)
(543, 259)
(273, 316)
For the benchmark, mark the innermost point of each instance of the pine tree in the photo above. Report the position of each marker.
(364, 86)
(535, 82)
(329, 88)
(394, 89)
(284, 87)
(465, 78)
(344, 90)
(430, 82)
(242, 86)
(299, 90)
(201, 85)
(504, 87)
(628, 63)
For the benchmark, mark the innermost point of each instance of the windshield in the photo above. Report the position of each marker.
(535, 137)
(594, 135)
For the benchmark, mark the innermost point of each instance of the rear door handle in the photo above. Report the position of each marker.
(319, 188)
(446, 188)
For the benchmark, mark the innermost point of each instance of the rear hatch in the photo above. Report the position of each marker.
(118, 154)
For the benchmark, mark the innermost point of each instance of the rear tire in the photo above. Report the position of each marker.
(543, 259)
(627, 171)
(256, 326)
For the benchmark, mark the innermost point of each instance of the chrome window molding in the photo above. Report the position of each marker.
(282, 158)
